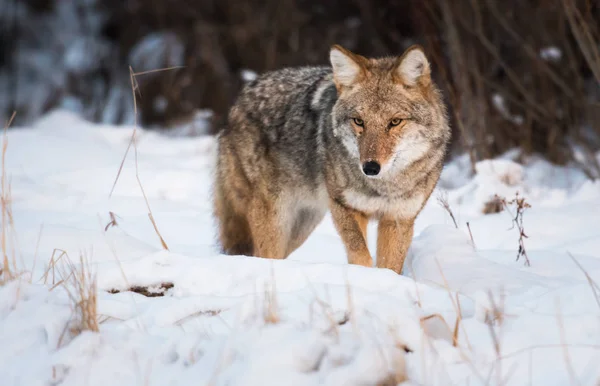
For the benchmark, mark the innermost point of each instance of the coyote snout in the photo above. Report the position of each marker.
(364, 138)
(375, 150)
(371, 168)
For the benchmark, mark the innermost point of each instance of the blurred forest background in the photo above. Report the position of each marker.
(516, 74)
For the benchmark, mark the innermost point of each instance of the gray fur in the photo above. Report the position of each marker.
(283, 145)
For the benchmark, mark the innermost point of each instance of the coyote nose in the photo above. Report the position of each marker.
(371, 168)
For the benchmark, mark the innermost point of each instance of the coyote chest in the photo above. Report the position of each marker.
(401, 208)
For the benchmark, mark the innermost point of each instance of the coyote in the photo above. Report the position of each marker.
(364, 138)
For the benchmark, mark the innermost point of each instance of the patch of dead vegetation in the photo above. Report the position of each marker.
(79, 282)
(516, 208)
(494, 205)
(151, 291)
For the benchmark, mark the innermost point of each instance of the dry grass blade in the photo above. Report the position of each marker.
(457, 323)
(496, 315)
(6, 273)
(133, 141)
(113, 221)
(471, 235)
(157, 70)
(593, 285)
(123, 161)
(565, 350)
(270, 308)
(334, 324)
(52, 265)
(80, 284)
(350, 303)
(456, 306)
(442, 199)
(134, 88)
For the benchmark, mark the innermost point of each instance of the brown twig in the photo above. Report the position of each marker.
(471, 235)
(112, 222)
(133, 141)
(442, 199)
(521, 205)
(5, 271)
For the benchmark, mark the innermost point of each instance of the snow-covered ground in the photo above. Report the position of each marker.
(308, 320)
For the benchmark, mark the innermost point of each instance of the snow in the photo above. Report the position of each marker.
(248, 75)
(551, 53)
(500, 104)
(311, 319)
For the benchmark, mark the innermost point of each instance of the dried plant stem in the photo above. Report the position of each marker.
(520, 206)
(80, 284)
(593, 285)
(456, 306)
(565, 350)
(270, 308)
(5, 271)
(442, 199)
(133, 141)
(471, 235)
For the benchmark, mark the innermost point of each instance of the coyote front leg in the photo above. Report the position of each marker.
(352, 227)
(393, 239)
(269, 231)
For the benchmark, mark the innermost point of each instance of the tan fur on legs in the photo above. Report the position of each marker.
(268, 228)
(234, 232)
(393, 239)
(352, 227)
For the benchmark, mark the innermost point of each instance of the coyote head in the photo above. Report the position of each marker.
(389, 114)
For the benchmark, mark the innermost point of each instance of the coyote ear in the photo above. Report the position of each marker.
(346, 66)
(414, 67)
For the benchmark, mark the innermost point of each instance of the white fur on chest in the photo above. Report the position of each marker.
(384, 206)
(409, 150)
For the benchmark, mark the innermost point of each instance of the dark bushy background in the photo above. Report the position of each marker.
(516, 73)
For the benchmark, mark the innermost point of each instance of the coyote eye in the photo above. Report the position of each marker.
(358, 122)
(395, 122)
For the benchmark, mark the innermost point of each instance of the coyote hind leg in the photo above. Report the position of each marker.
(234, 231)
(269, 228)
(235, 236)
